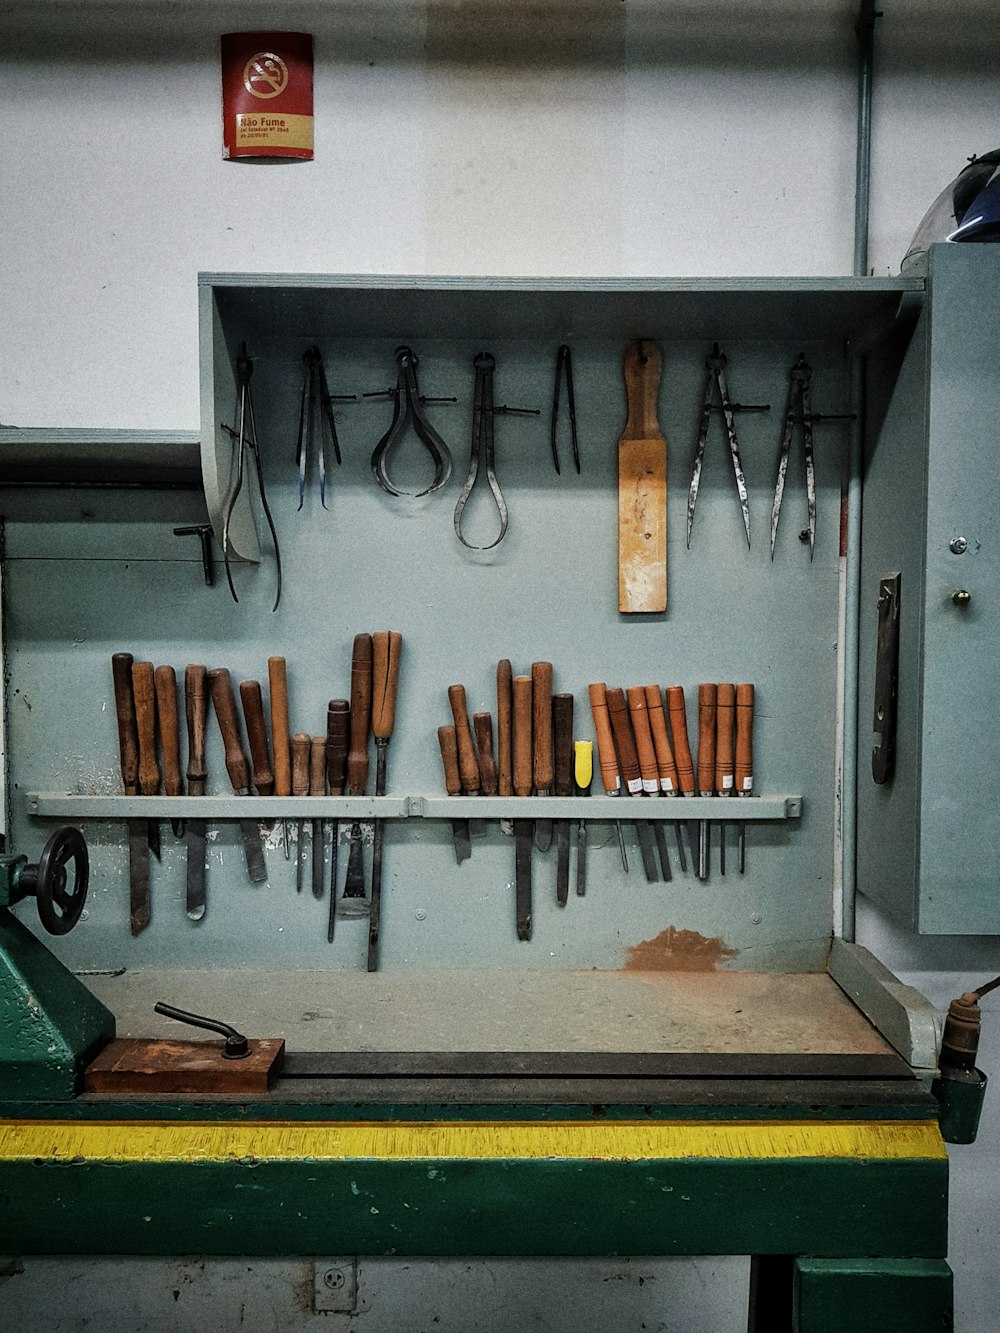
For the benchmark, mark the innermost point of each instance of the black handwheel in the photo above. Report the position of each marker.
(59, 901)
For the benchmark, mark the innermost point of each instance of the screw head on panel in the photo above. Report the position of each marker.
(958, 545)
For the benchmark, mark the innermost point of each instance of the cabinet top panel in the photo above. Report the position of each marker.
(755, 308)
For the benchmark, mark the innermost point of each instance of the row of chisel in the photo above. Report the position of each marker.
(536, 754)
(146, 706)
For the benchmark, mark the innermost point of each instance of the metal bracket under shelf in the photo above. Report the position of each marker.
(65, 805)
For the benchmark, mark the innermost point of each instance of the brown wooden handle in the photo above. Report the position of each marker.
(522, 750)
(483, 726)
(128, 740)
(505, 706)
(338, 740)
(562, 730)
(277, 681)
(253, 716)
(541, 720)
(679, 731)
(725, 711)
(606, 756)
(468, 765)
(387, 646)
(641, 370)
(628, 756)
(301, 743)
(744, 739)
(196, 715)
(317, 766)
(448, 742)
(361, 704)
(165, 684)
(642, 731)
(224, 702)
(707, 696)
(144, 693)
(661, 741)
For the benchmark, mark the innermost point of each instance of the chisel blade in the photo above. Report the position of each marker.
(522, 863)
(153, 837)
(543, 831)
(195, 837)
(317, 858)
(562, 862)
(354, 903)
(138, 877)
(661, 847)
(644, 830)
(581, 859)
(252, 850)
(461, 839)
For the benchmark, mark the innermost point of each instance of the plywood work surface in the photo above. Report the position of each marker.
(655, 1011)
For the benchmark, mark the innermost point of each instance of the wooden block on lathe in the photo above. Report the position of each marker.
(136, 1065)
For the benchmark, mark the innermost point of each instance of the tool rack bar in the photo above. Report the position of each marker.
(213, 808)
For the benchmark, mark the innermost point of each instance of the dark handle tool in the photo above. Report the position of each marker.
(387, 647)
(196, 716)
(301, 744)
(468, 765)
(628, 758)
(128, 742)
(144, 693)
(281, 745)
(338, 741)
(562, 729)
(253, 716)
(354, 902)
(128, 748)
(482, 724)
(744, 757)
(541, 710)
(505, 705)
(220, 687)
(522, 769)
(317, 787)
(448, 743)
(165, 683)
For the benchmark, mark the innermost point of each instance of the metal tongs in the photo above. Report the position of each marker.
(245, 437)
(316, 420)
(715, 383)
(408, 411)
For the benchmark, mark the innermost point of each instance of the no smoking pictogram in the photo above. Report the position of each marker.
(265, 75)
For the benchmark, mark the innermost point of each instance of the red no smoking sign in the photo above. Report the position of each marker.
(267, 94)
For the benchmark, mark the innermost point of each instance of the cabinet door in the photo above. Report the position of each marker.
(929, 849)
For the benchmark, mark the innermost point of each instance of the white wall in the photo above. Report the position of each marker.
(599, 137)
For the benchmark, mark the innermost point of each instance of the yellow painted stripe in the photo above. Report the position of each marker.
(194, 1141)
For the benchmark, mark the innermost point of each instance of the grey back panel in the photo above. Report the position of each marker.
(83, 584)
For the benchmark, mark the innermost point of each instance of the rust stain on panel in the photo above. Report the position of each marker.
(676, 950)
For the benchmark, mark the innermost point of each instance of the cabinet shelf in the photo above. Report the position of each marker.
(44, 456)
(759, 809)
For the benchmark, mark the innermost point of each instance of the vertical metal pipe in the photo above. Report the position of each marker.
(865, 30)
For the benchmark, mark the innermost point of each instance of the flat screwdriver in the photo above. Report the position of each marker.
(387, 646)
(354, 903)
(317, 787)
(677, 712)
(725, 710)
(448, 744)
(281, 744)
(628, 760)
(562, 730)
(338, 740)
(648, 768)
(300, 787)
(583, 775)
(707, 702)
(664, 760)
(607, 758)
(744, 758)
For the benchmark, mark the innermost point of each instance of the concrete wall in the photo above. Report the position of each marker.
(700, 137)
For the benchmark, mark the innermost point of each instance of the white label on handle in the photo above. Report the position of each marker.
(666, 784)
(635, 787)
(748, 784)
(727, 782)
(649, 786)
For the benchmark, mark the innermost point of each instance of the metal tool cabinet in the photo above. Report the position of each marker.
(662, 1068)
